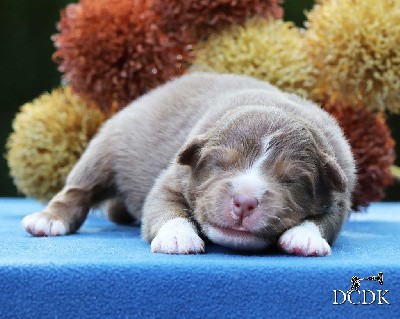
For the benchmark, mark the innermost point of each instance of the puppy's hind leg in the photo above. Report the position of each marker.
(89, 182)
(117, 212)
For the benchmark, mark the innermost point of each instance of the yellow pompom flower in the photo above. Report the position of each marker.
(354, 47)
(267, 49)
(49, 135)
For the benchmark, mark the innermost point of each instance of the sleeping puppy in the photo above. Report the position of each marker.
(223, 157)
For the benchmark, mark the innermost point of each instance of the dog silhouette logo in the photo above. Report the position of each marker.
(356, 282)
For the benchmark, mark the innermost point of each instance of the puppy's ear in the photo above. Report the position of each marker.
(190, 154)
(333, 173)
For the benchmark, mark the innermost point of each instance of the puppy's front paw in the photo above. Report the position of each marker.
(304, 240)
(42, 224)
(177, 236)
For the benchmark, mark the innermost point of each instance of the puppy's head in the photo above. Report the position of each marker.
(256, 174)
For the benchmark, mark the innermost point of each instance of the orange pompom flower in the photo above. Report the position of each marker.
(373, 149)
(112, 51)
(199, 18)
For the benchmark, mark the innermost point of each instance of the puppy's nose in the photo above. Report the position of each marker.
(244, 205)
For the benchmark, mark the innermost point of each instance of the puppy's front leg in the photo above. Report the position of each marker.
(312, 236)
(304, 239)
(166, 221)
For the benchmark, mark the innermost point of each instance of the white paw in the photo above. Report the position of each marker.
(39, 224)
(177, 236)
(304, 240)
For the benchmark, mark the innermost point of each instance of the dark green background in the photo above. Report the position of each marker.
(26, 69)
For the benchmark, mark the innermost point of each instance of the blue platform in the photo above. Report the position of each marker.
(108, 271)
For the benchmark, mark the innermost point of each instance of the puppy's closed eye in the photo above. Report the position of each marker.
(226, 157)
(290, 171)
(294, 175)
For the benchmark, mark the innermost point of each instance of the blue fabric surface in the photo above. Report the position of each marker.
(107, 271)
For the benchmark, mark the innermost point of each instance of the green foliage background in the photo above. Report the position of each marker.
(26, 69)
